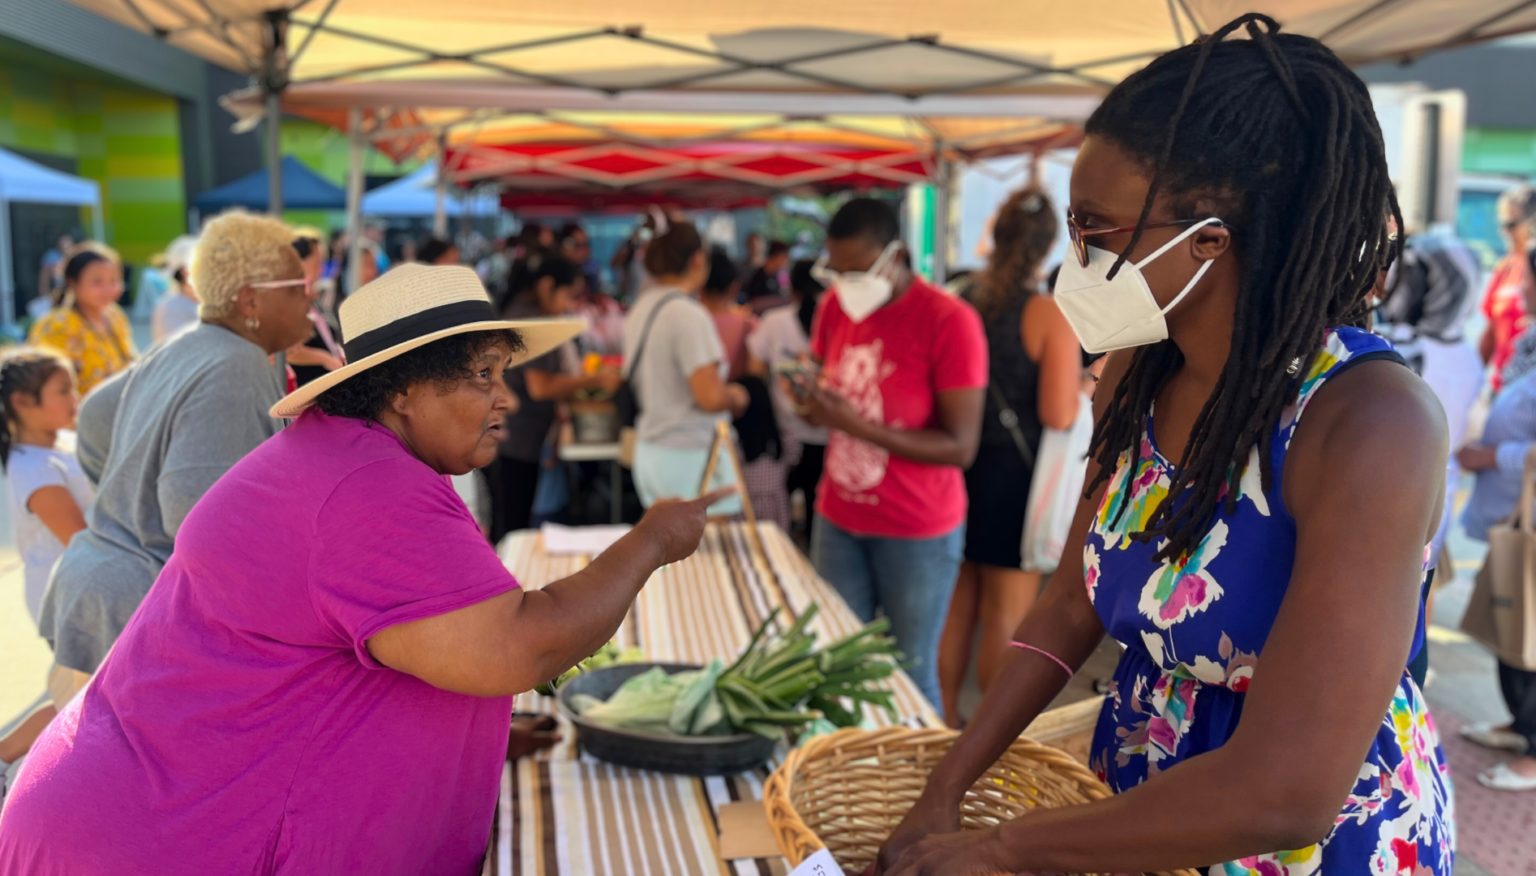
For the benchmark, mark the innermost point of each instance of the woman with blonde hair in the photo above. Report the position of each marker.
(87, 325)
(186, 413)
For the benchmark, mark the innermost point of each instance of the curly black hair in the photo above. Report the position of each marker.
(445, 362)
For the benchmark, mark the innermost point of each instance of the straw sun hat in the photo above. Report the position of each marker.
(414, 305)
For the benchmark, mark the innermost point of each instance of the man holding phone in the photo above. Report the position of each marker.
(902, 386)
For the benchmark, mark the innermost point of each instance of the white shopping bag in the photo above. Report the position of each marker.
(1054, 491)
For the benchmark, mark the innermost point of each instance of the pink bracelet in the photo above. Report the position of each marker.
(1054, 659)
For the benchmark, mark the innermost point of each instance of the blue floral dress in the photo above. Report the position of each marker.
(1194, 632)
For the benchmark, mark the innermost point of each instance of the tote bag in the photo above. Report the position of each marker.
(1055, 490)
(1502, 611)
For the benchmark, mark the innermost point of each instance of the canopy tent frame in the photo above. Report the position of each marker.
(254, 35)
(258, 43)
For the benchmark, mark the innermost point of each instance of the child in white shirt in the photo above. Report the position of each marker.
(49, 492)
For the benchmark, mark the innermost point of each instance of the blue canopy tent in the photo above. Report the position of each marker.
(32, 183)
(303, 189)
(415, 195)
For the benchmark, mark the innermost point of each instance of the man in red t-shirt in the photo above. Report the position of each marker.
(904, 375)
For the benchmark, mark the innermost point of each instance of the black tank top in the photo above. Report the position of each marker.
(1012, 372)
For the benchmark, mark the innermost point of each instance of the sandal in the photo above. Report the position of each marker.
(1502, 778)
(1498, 738)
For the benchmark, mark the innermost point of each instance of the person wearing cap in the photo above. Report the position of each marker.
(177, 310)
(189, 409)
(321, 679)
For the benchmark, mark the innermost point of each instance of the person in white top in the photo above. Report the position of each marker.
(49, 492)
(782, 337)
(178, 309)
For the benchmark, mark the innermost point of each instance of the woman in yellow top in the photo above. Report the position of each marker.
(88, 326)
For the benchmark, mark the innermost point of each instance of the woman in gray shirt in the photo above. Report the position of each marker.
(677, 368)
(172, 426)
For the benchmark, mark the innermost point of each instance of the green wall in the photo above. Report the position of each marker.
(1500, 150)
(125, 138)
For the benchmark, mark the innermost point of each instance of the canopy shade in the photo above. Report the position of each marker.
(909, 48)
(303, 189)
(661, 152)
(415, 195)
(30, 182)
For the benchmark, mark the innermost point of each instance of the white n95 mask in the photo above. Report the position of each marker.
(1115, 314)
(859, 293)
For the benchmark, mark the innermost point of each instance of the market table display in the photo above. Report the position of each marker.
(560, 814)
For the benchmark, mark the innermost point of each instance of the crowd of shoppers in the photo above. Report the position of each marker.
(911, 420)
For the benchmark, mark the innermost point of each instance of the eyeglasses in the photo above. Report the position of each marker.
(1076, 233)
(284, 284)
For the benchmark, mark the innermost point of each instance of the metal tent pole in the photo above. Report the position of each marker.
(7, 270)
(440, 210)
(274, 129)
(356, 140)
(941, 186)
(274, 76)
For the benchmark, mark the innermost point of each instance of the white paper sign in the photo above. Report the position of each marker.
(819, 864)
(589, 540)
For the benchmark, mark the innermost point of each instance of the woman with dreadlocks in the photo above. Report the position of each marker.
(1264, 478)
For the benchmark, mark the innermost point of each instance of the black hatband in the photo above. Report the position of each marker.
(416, 325)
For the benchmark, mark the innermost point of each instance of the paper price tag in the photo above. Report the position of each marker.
(819, 864)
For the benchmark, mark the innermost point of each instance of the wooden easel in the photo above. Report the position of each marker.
(724, 443)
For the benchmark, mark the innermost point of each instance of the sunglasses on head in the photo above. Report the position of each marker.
(284, 284)
(1077, 234)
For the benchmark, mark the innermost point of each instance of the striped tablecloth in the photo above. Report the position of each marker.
(572, 816)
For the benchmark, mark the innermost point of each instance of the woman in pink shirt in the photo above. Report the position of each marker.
(1504, 302)
(320, 680)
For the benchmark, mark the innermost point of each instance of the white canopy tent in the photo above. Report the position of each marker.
(909, 48)
(457, 64)
(415, 195)
(970, 57)
(32, 183)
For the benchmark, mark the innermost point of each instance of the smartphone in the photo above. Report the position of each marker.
(800, 373)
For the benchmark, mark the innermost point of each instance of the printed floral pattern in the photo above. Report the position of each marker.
(1147, 488)
(1177, 590)
(1195, 628)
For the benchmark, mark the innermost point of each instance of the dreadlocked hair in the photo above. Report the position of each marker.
(1283, 145)
(1022, 236)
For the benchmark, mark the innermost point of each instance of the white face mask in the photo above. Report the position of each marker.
(1120, 313)
(859, 293)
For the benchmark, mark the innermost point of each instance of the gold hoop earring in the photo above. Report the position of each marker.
(253, 323)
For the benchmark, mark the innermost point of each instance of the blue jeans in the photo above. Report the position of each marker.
(909, 579)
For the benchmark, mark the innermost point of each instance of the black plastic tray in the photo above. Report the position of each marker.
(689, 755)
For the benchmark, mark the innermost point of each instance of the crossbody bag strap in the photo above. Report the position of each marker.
(1010, 421)
(645, 333)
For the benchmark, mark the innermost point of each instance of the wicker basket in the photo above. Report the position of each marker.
(848, 790)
